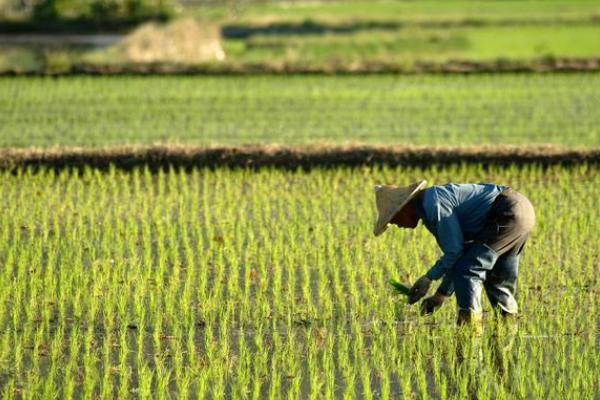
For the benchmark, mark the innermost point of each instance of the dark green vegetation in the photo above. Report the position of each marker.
(433, 110)
(399, 287)
(238, 284)
(80, 16)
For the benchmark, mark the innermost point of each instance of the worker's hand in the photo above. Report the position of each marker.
(419, 289)
(432, 303)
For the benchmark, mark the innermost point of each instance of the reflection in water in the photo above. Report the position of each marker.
(501, 343)
(32, 53)
(485, 358)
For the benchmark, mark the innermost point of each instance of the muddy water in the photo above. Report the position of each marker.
(92, 40)
(38, 52)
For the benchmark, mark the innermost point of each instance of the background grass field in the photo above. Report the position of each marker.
(408, 46)
(342, 35)
(414, 109)
(408, 11)
(403, 33)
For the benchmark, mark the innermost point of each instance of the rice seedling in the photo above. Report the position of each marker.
(399, 287)
(268, 284)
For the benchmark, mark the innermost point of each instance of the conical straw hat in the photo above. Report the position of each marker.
(390, 199)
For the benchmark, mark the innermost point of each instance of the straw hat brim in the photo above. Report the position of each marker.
(384, 218)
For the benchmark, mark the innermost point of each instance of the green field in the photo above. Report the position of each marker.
(488, 11)
(403, 33)
(241, 284)
(355, 35)
(415, 109)
(406, 48)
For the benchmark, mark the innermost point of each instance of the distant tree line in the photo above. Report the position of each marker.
(99, 11)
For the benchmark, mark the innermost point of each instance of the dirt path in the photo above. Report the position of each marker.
(590, 64)
(291, 157)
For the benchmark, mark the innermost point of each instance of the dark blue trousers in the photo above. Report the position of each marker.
(491, 262)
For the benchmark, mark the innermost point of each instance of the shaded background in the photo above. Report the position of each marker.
(58, 35)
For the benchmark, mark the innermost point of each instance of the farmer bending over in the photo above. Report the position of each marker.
(481, 228)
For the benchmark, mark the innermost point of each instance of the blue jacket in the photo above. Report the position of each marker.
(454, 214)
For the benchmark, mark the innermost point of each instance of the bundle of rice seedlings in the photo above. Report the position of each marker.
(399, 288)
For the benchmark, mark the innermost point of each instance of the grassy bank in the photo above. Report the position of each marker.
(307, 157)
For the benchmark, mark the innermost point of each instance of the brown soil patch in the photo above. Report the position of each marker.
(290, 157)
(550, 64)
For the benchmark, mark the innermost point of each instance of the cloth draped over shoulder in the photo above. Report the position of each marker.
(454, 214)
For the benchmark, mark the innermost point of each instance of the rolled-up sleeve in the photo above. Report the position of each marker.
(449, 236)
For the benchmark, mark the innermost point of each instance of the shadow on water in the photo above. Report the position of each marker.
(486, 360)
(315, 27)
(306, 27)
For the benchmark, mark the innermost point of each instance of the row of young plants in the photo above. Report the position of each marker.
(264, 284)
(416, 109)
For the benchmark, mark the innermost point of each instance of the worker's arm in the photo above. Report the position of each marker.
(448, 234)
(450, 239)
